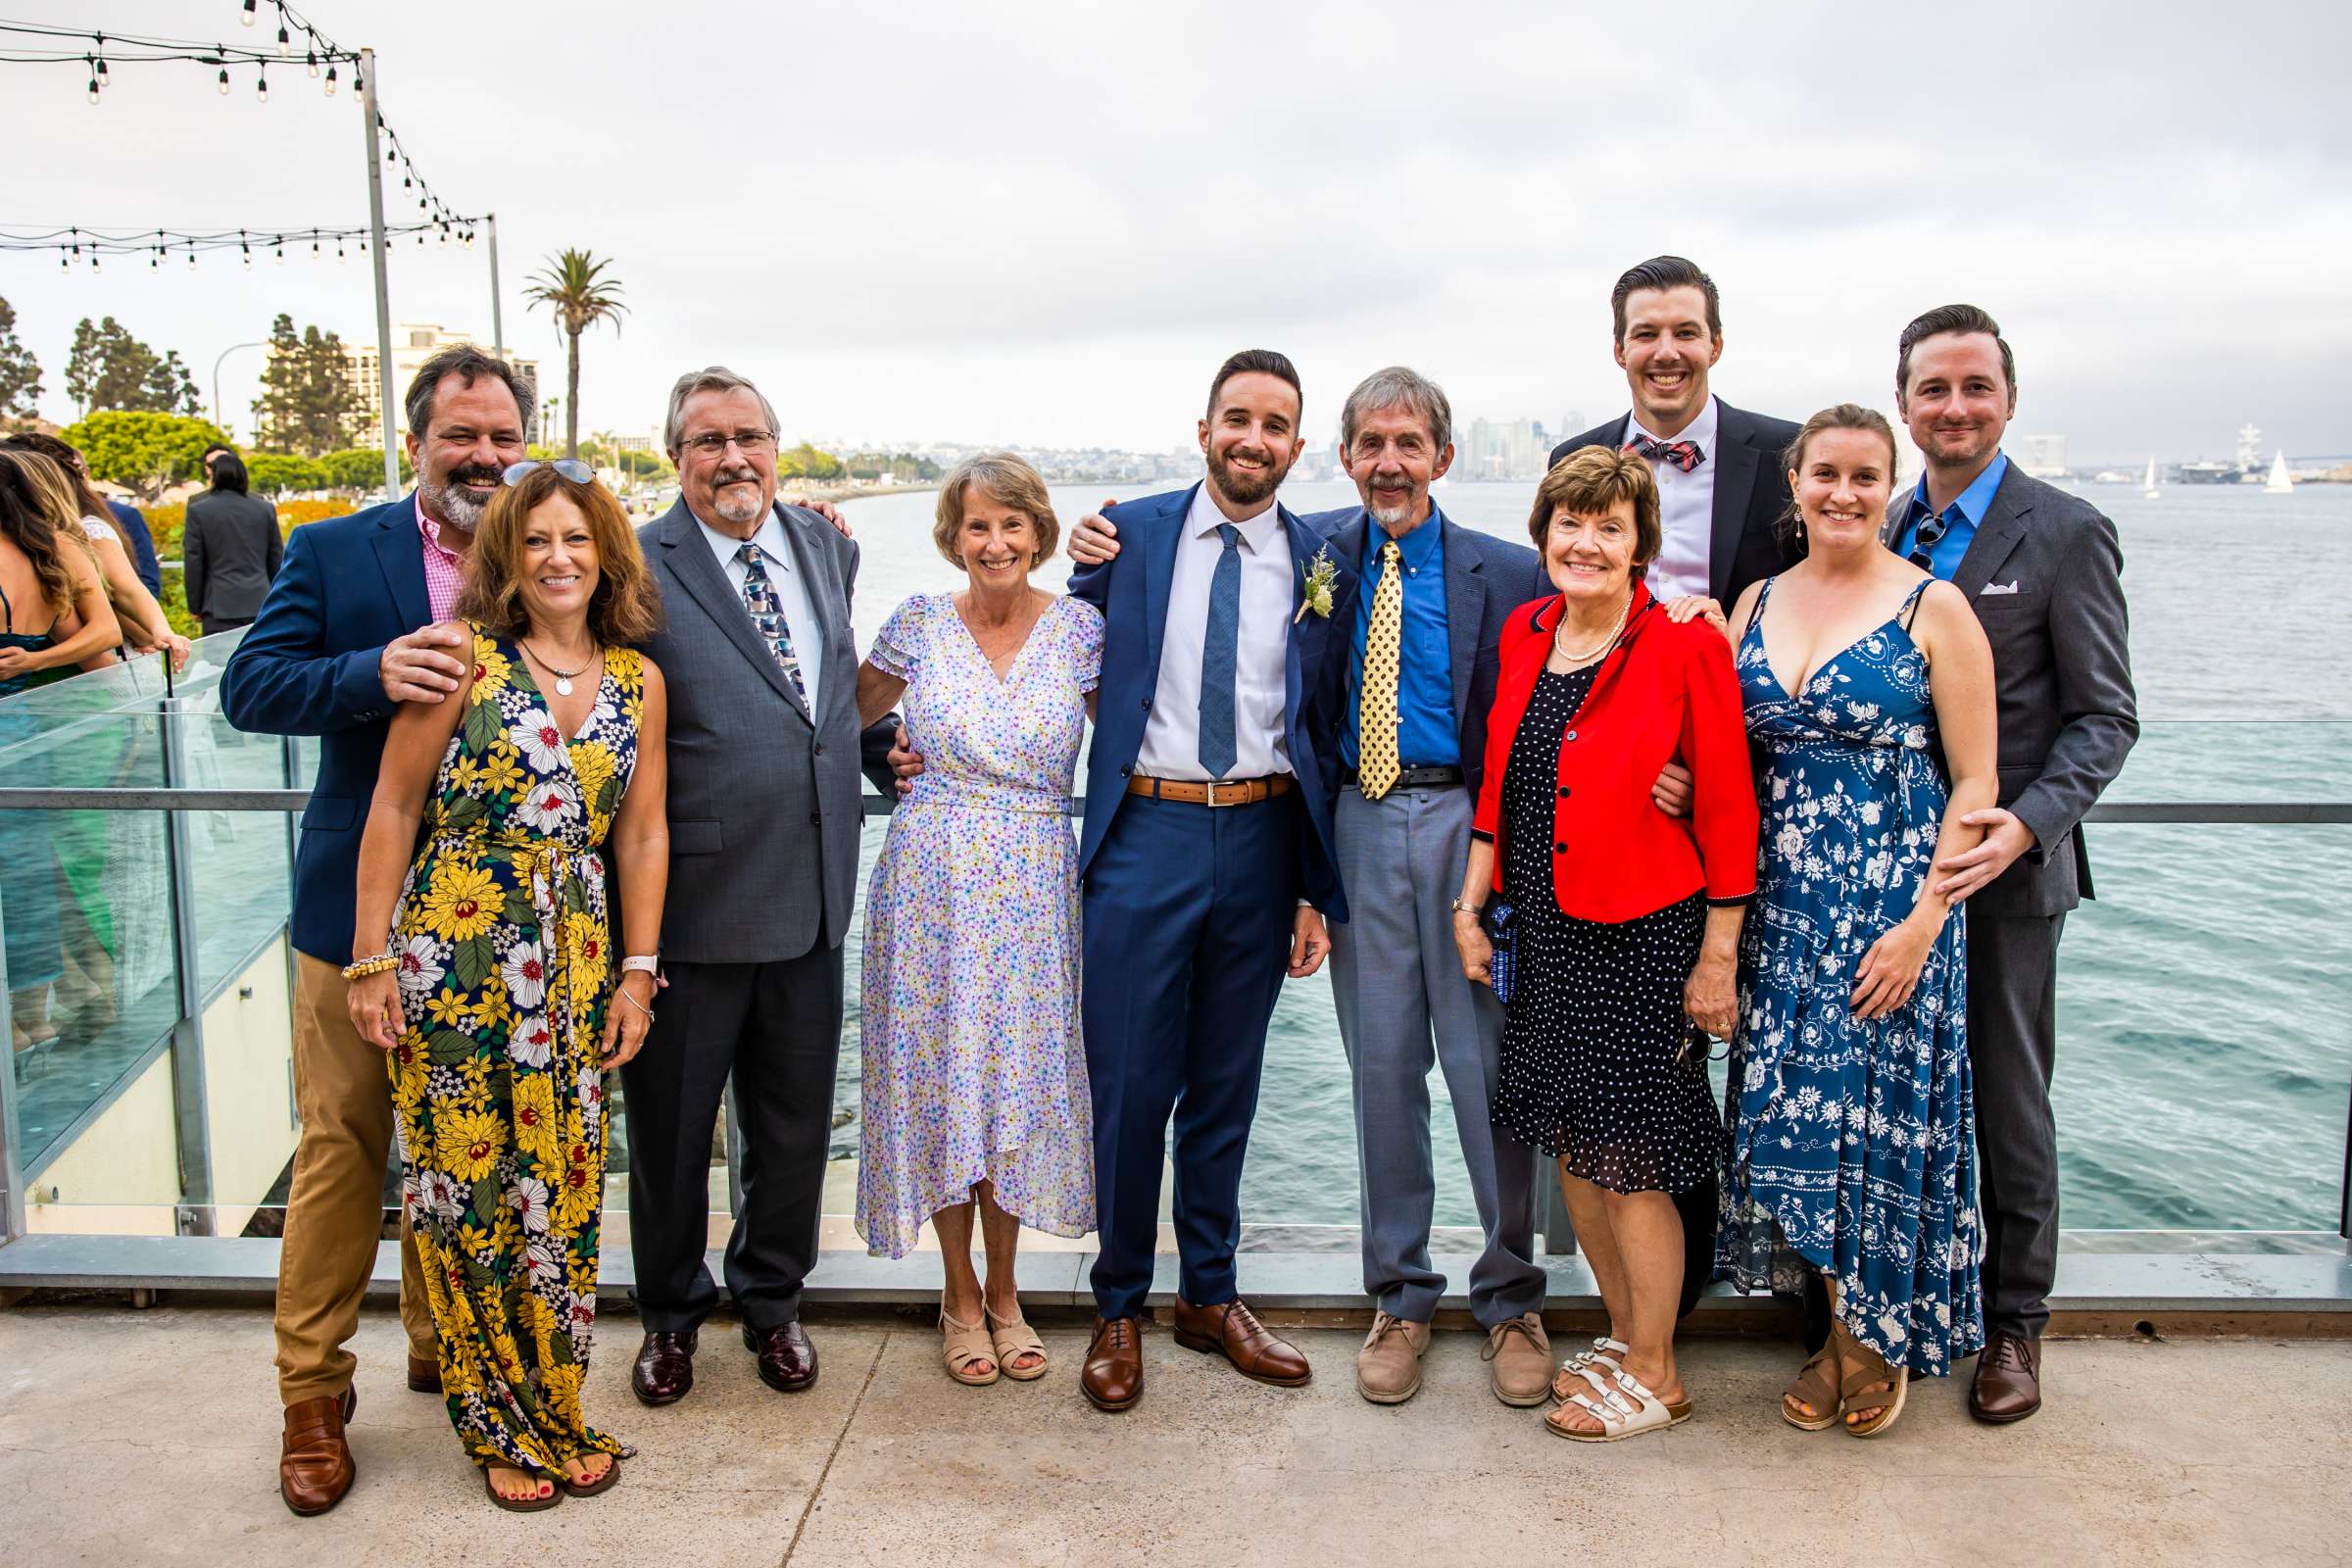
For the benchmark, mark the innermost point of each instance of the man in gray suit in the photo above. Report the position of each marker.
(764, 829)
(2043, 569)
(229, 549)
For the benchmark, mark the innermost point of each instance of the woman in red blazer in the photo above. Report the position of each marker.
(1626, 919)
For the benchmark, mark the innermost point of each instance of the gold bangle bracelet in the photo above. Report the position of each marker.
(361, 969)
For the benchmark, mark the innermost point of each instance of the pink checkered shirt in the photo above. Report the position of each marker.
(443, 572)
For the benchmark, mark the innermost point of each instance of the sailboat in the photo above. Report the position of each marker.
(2281, 483)
(2152, 492)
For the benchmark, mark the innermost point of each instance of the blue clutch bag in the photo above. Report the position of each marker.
(1502, 930)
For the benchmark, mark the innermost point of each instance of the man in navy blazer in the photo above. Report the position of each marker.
(1206, 855)
(346, 635)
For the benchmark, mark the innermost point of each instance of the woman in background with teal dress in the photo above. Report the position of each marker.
(1854, 1143)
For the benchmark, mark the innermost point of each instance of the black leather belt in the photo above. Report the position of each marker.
(1412, 778)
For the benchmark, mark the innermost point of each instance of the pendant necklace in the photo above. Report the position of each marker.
(563, 677)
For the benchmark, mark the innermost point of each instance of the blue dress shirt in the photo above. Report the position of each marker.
(140, 542)
(1960, 517)
(1427, 735)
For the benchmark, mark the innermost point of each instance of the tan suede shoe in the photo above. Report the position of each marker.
(1518, 1357)
(1388, 1369)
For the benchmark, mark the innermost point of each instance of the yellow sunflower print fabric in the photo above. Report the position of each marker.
(505, 974)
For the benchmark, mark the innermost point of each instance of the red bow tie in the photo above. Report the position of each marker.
(1683, 455)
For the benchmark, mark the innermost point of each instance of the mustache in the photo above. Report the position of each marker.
(742, 475)
(475, 475)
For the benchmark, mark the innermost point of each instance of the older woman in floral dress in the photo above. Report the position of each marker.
(975, 1089)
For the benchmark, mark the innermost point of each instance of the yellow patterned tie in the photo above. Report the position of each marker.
(1376, 710)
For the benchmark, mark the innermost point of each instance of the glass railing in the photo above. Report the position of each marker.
(2205, 1041)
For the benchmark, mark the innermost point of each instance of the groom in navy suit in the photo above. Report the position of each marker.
(1205, 856)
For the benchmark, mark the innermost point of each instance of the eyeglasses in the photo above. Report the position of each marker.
(751, 443)
(571, 468)
(1931, 531)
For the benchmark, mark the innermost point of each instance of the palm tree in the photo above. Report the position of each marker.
(572, 286)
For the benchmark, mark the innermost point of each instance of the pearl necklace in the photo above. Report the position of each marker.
(1597, 649)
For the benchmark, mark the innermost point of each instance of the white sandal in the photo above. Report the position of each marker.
(1624, 1408)
(1604, 1350)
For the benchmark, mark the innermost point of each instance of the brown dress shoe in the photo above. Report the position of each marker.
(314, 1460)
(2008, 1383)
(425, 1374)
(787, 1360)
(1231, 1330)
(1112, 1377)
(665, 1369)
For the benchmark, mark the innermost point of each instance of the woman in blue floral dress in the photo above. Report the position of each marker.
(1849, 1101)
(490, 981)
(975, 1089)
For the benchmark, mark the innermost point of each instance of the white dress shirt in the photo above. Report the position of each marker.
(1171, 745)
(792, 590)
(1686, 511)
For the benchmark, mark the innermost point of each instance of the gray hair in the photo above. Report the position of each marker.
(1399, 388)
(710, 378)
(466, 361)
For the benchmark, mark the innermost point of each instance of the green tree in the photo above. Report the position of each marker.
(273, 474)
(147, 451)
(108, 368)
(573, 287)
(357, 469)
(19, 371)
(307, 404)
(806, 462)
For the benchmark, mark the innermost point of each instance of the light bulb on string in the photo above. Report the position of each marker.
(286, 42)
(191, 258)
(247, 253)
(330, 82)
(93, 92)
(314, 60)
(223, 81)
(261, 89)
(247, 18)
(104, 80)
(154, 262)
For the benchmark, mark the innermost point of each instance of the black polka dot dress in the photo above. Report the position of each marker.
(1593, 1069)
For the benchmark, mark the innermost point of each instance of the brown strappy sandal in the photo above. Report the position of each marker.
(1814, 1386)
(1857, 1382)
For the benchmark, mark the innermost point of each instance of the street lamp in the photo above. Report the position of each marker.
(217, 411)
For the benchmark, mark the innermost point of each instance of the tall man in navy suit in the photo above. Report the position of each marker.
(1206, 855)
(346, 635)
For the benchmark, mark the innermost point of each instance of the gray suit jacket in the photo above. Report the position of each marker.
(764, 798)
(229, 551)
(2045, 573)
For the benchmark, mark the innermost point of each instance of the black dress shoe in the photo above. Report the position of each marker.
(665, 1369)
(787, 1360)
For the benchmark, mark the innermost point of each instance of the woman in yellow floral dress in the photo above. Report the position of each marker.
(490, 981)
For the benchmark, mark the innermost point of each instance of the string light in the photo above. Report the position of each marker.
(247, 19)
(223, 81)
(261, 89)
(74, 243)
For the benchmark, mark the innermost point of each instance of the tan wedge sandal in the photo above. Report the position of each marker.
(1817, 1387)
(1014, 1339)
(1858, 1379)
(965, 1346)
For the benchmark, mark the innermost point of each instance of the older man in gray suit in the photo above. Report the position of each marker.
(2043, 569)
(764, 830)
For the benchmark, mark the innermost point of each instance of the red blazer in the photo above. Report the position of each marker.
(1666, 692)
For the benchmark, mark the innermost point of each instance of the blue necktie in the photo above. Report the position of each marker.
(768, 614)
(1218, 651)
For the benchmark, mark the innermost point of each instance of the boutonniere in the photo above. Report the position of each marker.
(1320, 573)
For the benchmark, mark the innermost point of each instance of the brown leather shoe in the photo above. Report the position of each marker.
(665, 1369)
(425, 1374)
(314, 1460)
(2008, 1383)
(787, 1360)
(1231, 1330)
(1112, 1377)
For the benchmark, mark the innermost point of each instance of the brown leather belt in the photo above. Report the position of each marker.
(1218, 792)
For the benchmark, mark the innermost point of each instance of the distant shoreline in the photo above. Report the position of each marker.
(791, 494)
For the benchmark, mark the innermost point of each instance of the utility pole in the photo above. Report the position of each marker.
(384, 295)
(221, 414)
(498, 331)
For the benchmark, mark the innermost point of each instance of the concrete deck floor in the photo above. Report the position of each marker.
(132, 1438)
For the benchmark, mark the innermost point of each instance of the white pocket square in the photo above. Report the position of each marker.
(1996, 588)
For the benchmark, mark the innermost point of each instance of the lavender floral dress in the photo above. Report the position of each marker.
(974, 1067)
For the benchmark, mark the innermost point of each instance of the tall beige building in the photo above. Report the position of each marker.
(412, 346)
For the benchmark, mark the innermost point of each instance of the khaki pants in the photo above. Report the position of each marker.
(334, 1213)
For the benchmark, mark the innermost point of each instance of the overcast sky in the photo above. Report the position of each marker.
(1045, 223)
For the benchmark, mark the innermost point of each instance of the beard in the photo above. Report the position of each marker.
(1247, 489)
(1388, 508)
(735, 495)
(452, 503)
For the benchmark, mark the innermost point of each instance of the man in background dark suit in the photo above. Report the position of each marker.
(1723, 486)
(2043, 571)
(229, 549)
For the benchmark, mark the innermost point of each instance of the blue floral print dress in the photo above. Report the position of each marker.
(1853, 1142)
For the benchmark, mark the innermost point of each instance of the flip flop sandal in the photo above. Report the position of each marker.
(1604, 1350)
(1857, 1386)
(965, 1346)
(1623, 1408)
(1814, 1387)
(589, 1488)
(1013, 1338)
(520, 1504)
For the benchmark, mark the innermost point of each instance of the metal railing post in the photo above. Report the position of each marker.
(189, 1104)
(11, 1173)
